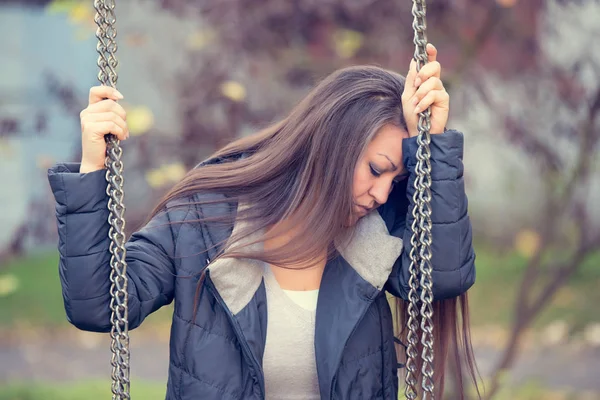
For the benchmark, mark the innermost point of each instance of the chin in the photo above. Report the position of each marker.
(352, 220)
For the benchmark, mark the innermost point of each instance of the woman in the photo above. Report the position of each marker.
(279, 250)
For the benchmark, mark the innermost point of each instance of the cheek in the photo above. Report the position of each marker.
(362, 182)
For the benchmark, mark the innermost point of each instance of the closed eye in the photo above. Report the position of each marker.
(374, 172)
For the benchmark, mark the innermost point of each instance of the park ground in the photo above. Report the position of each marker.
(43, 357)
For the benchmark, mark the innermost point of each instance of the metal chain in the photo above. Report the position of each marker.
(413, 305)
(107, 62)
(420, 253)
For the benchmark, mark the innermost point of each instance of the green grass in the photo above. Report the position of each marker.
(492, 298)
(37, 296)
(89, 390)
(37, 299)
(100, 390)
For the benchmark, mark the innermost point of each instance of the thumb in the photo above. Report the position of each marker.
(409, 86)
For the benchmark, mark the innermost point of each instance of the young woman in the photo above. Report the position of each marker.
(279, 250)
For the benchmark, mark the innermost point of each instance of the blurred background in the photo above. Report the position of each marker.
(524, 80)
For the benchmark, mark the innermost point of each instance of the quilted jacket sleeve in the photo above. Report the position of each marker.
(82, 218)
(453, 258)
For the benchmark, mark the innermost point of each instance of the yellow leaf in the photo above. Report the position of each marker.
(233, 90)
(200, 39)
(527, 243)
(139, 119)
(155, 178)
(174, 172)
(80, 13)
(347, 42)
(164, 174)
(8, 285)
(61, 6)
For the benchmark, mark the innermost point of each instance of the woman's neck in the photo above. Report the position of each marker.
(302, 275)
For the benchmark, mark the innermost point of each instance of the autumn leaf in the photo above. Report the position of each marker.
(174, 172)
(155, 178)
(200, 39)
(527, 243)
(8, 284)
(139, 120)
(347, 42)
(168, 173)
(233, 90)
(62, 6)
(80, 13)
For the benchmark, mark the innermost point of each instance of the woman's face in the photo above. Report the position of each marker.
(377, 171)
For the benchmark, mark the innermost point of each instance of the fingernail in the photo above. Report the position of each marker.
(417, 110)
(417, 82)
(118, 95)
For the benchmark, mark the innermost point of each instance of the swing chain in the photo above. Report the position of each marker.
(420, 253)
(106, 34)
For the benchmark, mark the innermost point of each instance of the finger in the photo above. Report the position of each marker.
(430, 69)
(106, 106)
(99, 93)
(106, 127)
(107, 116)
(437, 97)
(430, 84)
(409, 84)
(431, 52)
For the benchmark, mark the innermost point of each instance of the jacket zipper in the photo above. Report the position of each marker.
(238, 331)
(334, 380)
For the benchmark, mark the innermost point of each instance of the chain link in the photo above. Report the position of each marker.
(106, 34)
(420, 253)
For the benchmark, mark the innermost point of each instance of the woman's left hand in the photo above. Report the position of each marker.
(425, 89)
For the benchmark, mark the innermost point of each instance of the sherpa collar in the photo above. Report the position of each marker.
(372, 253)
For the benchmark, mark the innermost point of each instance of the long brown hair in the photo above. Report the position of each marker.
(300, 170)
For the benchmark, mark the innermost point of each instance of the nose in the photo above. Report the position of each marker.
(380, 191)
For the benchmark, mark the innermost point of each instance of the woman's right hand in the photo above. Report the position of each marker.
(102, 116)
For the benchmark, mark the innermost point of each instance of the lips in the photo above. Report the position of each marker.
(363, 209)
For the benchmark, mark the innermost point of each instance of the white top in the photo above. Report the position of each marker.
(289, 362)
(306, 299)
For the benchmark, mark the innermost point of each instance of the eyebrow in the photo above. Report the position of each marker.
(391, 162)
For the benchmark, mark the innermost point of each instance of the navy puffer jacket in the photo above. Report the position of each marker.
(217, 354)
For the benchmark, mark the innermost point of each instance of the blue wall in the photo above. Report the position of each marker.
(35, 42)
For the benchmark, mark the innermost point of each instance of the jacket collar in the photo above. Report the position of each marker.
(371, 252)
